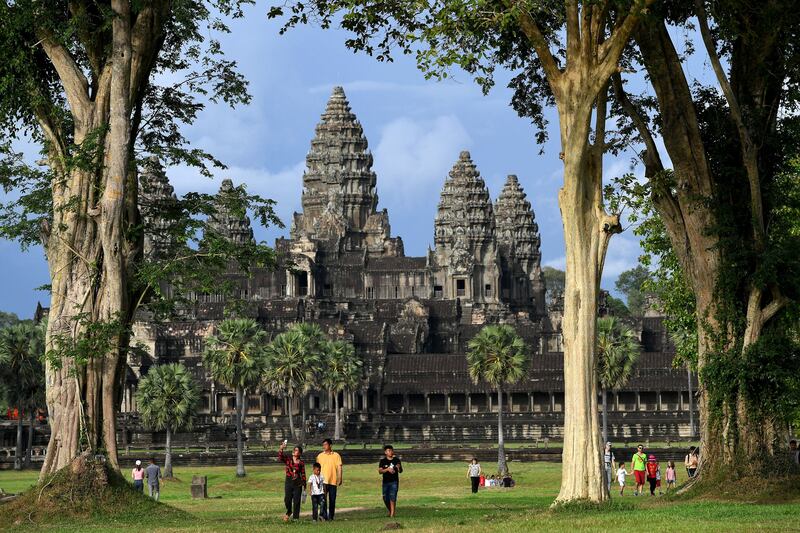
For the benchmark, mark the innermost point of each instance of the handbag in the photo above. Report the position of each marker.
(303, 496)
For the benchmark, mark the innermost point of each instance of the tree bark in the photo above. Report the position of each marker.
(502, 467)
(337, 431)
(168, 455)
(29, 450)
(605, 415)
(290, 408)
(18, 451)
(239, 428)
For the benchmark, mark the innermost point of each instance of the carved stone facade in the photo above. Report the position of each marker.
(409, 317)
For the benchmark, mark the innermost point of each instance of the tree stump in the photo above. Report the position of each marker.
(199, 487)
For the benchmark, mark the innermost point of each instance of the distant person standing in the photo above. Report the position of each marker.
(391, 468)
(794, 453)
(138, 476)
(652, 473)
(474, 472)
(331, 463)
(690, 461)
(671, 476)
(153, 474)
(295, 480)
(609, 461)
(639, 466)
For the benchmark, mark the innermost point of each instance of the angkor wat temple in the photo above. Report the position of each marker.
(410, 317)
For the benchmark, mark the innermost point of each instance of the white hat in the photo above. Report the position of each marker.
(138, 462)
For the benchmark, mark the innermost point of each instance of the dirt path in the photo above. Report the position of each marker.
(338, 510)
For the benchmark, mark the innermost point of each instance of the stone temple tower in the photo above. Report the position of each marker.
(226, 222)
(156, 197)
(464, 235)
(339, 198)
(522, 283)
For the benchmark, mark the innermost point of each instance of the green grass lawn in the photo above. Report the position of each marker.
(433, 497)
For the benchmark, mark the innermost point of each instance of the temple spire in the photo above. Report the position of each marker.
(156, 198)
(227, 222)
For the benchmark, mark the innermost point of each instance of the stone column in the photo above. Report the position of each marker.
(405, 403)
(427, 403)
(658, 399)
(552, 402)
(469, 402)
(616, 401)
(638, 401)
(447, 403)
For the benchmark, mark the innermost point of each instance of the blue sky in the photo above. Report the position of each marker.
(415, 128)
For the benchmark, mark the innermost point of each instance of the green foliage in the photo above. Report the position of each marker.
(617, 352)
(617, 307)
(497, 355)
(631, 283)
(234, 356)
(554, 281)
(295, 360)
(8, 319)
(22, 365)
(342, 368)
(476, 36)
(167, 398)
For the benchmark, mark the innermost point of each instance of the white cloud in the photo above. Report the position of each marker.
(559, 263)
(413, 157)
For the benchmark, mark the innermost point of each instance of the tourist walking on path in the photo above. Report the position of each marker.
(609, 461)
(153, 474)
(138, 476)
(391, 468)
(316, 486)
(652, 473)
(474, 472)
(331, 463)
(621, 473)
(294, 482)
(638, 462)
(690, 461)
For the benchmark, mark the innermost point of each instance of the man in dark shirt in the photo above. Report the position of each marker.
(391, 468)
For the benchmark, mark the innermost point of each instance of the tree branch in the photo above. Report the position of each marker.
(652, 159)
(540, 45)
(72, 78)
(611, 49)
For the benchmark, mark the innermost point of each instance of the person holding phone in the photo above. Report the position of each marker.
(295, 480)
(391, 468)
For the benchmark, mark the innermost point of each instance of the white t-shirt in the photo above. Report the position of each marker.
(316, 482)
(621, 473)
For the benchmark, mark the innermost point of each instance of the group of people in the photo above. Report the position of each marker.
(646, 470)
(479, 479)
(151, 473)
(325, 479)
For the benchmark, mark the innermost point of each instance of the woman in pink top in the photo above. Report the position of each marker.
(138, 477)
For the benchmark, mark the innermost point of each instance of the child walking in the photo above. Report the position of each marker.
(316, 486)
(671, 479)
(621, 473)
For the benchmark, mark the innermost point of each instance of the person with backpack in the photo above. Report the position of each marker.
(652, 473)
(690, 462)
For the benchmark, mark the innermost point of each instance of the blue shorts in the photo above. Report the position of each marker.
(390, 491)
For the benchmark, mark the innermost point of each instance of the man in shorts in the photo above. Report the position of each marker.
(639, 466)
(390, 467)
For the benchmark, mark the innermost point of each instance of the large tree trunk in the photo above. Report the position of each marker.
(605, 415)
(337, 431)
(87, 255)
(18, 451)
(168, 455)
(501, 445)
(239, 429)
(587, 231)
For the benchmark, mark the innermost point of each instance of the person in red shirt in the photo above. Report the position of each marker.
(295, 480)
(652, 473)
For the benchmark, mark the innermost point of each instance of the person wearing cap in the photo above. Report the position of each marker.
(609, 461)
(638, 464)
(138, 476)
(652, 473)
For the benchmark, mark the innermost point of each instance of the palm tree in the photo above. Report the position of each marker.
(617, 353)
(313, 356)
(235, 358)
(292, 367)
(342, 372)
(167, 398)
(22, 371)
(498, 356)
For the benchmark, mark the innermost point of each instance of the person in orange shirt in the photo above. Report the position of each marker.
(331, 463)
